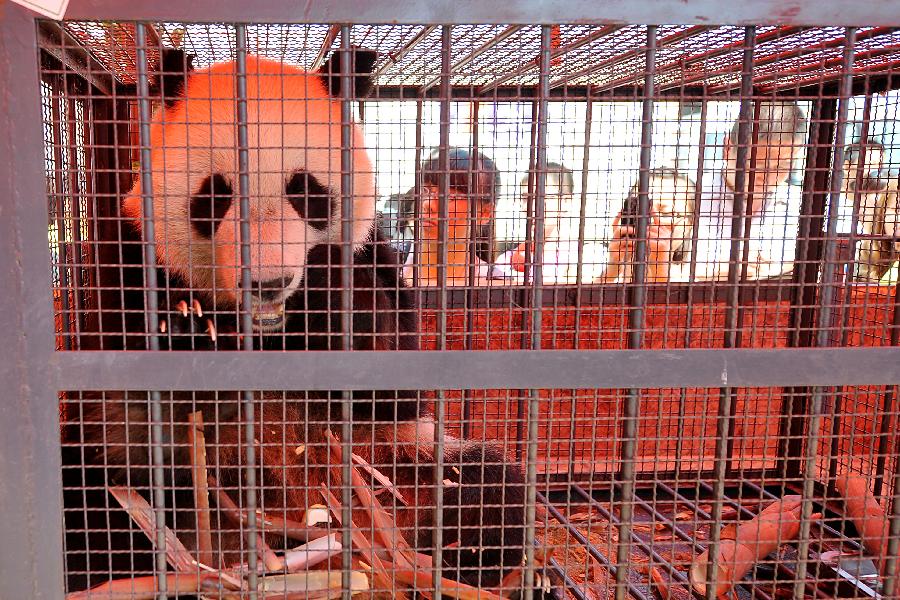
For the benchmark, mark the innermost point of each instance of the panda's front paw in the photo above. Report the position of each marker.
(186, 327)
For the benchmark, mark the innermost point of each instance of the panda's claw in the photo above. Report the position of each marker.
(162, 326)
(211, 330)
(197, 309)
(182, 307)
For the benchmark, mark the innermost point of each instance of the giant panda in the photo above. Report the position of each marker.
(294, 127)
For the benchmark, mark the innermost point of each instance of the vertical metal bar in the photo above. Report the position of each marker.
(151, 306)
(726, 397)
(443, 233)
(31, 560)
(857, 199)
(57, 96)
(536, 307)
(892, 555)
(814, 433)
(739, 215)
(240, 32)
(346, 301)
(735, 292)
(888, 414)
(638, 291)
(837, 178)
(470, 274)
(689, 316)
(417, 197)
(837, 418)
(637, 300)
(585, 166)
(529, 198)
(735, 297)
(528, 258)
(792, 429)
(695, 217)
(76, 194)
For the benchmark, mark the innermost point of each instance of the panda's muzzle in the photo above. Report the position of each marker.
(267, 303)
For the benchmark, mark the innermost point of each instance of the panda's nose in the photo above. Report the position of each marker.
(271, 289)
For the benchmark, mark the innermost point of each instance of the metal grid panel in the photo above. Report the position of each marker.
(636, 460)
(484, 56)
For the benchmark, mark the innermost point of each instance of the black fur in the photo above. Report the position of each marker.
(106, 437)
(310, 199)
(363, 62)
(210, 205)
(106, 440)
(174, 67)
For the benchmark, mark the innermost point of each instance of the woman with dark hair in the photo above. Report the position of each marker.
(474, 183)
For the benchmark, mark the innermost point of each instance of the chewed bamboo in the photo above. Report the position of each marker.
(866, 513)
(750, 542)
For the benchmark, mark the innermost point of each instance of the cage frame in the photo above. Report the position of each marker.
(35, 372)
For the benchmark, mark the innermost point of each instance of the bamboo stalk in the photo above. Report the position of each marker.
(382, 523)
(314, 583)
(380, 478)
(453, 589)
(380, 575)
(145, 588)
(268, 523)
(867, 515)
(197, 441)
(311, 554)
(142, 513)
(662, 585)
(752, 541)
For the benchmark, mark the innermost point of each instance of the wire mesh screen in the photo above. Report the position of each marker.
(414, 243)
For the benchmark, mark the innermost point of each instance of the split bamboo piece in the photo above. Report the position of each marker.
(743, 546)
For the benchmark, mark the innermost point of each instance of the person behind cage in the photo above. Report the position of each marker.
(863, 162)
(864, 191)
(560, 257)
(861, 179)
(669, 229)
(395, 219)
(474, 184)
(879, 226)
(772, 204)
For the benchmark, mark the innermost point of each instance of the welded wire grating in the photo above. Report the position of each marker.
(631, 483)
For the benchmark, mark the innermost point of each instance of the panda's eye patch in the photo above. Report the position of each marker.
(310, 199)
(210, 204)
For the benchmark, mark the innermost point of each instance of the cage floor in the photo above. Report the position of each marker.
(672, 527)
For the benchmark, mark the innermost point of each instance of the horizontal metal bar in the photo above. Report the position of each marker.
(518, 93)
(490, 369)
(436, 12)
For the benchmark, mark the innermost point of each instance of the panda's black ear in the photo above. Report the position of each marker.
(174, 67)
(363, 62)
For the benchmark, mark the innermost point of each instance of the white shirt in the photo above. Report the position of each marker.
(773, 228)
(560, 262)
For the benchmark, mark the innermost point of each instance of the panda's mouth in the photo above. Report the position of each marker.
(267, 316)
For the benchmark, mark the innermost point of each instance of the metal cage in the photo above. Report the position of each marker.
(742, 410)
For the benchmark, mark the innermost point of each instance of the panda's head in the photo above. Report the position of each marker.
(294, 141)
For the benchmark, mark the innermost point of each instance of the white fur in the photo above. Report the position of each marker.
(197, 138)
